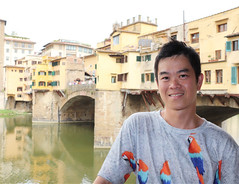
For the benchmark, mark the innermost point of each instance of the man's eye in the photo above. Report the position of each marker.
(164, 78)
(183, 76)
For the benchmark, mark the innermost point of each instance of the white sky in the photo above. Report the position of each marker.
(91, 21)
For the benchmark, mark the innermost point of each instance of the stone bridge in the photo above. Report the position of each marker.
(108, 109)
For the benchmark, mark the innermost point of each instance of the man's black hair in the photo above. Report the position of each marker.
(176, 48)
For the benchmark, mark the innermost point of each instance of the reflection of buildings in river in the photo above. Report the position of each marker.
(47, 169)
(45, 166)
(15, 149)
(231, 126)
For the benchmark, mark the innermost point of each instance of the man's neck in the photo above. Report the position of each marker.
(183, 119)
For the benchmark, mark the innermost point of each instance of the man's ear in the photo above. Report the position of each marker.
(200, 80)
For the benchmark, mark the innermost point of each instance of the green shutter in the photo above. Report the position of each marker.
(228, 46)
(149, 57)
(138, 58)
(234, 75)
(95, 66)
(53, 73)
(38, 73)
(142, 77)
(152, 77)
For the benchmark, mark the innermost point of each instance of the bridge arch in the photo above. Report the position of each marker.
(217, 108)
(78, 106)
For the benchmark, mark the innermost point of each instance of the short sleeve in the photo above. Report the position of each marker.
(230, 163)
(120, 161)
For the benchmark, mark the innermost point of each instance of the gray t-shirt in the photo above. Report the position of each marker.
(159, 153)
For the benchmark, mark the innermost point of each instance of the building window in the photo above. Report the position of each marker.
(41, 73)
(208, 76)
(7, 50)
(80, 49)
(147, 77)
(19, 88)
(34, 62)
(23, 51)
(70, 47)
(123, 77)
(42, 83)
(222, 27)
(147, 57)
(29, 46)
(116, 40)
(195, 38)
(219, 76)
(20, 79)
(15, 44)
(113, 79)
(85, 50)
(235, 45)
(174, 37)
(19, 62)
(23, 45)
(20, 71)
(218, 54)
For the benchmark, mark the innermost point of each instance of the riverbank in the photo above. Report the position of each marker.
(9, 113)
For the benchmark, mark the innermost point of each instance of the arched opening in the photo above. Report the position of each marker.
(10, 103)
(78, 109)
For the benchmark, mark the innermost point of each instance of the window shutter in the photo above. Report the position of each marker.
(142, 77)
(228, 46)
(234, 75)
(138, 58)
(95, 66)
(38, 73)
(152, 77)
(149, 57)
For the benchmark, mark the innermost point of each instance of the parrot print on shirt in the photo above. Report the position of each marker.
(196, 157)
(142, 172)
(165, 174)
(218, 175)
(129, 156)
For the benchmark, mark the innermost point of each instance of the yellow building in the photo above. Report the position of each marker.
(215, 38)
(56, 73)
(115, 65)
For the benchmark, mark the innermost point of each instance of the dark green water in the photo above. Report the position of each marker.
(48, 153)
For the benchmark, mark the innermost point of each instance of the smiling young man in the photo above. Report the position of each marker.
(173, 145)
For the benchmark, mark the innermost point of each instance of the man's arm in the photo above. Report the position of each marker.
(101, 180)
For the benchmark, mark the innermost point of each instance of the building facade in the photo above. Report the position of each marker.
(64, 48)
(2, 31)
(16, 47)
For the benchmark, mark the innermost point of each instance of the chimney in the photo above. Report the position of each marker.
(139, 18)
(121, 25)
(133, 19)
(127, 21)
(156, 21)
(147, 19)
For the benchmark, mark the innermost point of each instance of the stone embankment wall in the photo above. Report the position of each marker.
(110, 114)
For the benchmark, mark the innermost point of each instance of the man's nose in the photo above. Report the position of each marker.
(174, 83)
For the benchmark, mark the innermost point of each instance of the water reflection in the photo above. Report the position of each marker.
(47, 153)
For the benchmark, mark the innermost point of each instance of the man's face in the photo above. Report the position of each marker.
(177, 83)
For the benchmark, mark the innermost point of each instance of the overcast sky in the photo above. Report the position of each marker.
(91, 21)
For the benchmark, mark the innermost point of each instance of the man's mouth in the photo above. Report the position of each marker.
(175, 95)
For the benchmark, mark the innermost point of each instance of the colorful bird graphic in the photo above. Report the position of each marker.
(126, 177)
(129, 156)
(165, 174)
(218, 175)
(196, 157)
(142, 172)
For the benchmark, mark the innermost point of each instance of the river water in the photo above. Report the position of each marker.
(56, 153)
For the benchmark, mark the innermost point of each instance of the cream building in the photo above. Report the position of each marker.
(63, 48)
(16, 47)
